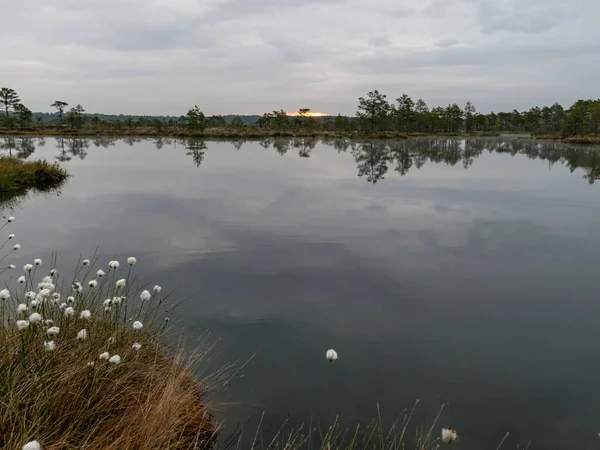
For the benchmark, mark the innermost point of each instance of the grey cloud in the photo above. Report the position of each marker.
(448, 42)
(245, 55)
(534, 16)
(437, 9)
(396, 61)
(382, 40)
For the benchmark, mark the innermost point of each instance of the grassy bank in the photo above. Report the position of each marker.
(18, 175)
(579, 139)
(87, 366)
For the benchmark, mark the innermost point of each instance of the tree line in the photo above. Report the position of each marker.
(375, 114)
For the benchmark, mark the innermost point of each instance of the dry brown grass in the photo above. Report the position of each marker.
(152, 399)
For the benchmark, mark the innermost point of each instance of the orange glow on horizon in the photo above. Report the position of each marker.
(308, 114)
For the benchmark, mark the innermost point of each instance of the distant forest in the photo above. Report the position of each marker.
(375, 114)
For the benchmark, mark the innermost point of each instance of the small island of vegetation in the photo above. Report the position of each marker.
(17, 175)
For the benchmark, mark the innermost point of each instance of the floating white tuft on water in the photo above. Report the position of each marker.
(331, 355)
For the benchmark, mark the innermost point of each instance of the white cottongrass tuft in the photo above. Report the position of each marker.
(107, 309)
(100, 273)
(34, 304)
(114, 265)
(115, 359)
(107, 302)
(77, 286)
(11, 236)
(46, 285)
(4, 294)
(17, 247)
(117, 300)
(85, 262)
(12, 266)
(37, 262)
(157, 289)
(22, 308)
(104, 356)
(69, 311)
(35, 318)
(47, 279)
(137, 325)
(92, 283)
(53, 331)
(48, 322)
(28, 267)
(110, 340)
(136, 346)
(121, 283)
(70, 300)
(62, 306)
(30, 295)
(11, 219)
(145, 295)
(449, 435)
(22, 324)
(86, 314)
(82, 335)
(22, 279)
(55, 297)
(49, 346)
(131, 261)
(45, 293)
(53, 272)
(331, 355)
(33, 445)
(91, 364)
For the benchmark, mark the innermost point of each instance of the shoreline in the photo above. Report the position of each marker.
(235, 134)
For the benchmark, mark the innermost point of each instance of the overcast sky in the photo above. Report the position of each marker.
(251, 56)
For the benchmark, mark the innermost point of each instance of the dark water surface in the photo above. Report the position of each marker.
(447, 271)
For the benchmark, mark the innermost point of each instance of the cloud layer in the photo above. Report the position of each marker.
(250, 56)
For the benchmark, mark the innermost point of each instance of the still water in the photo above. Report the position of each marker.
(445, 270)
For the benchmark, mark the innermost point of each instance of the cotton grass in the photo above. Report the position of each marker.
(138, 394)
